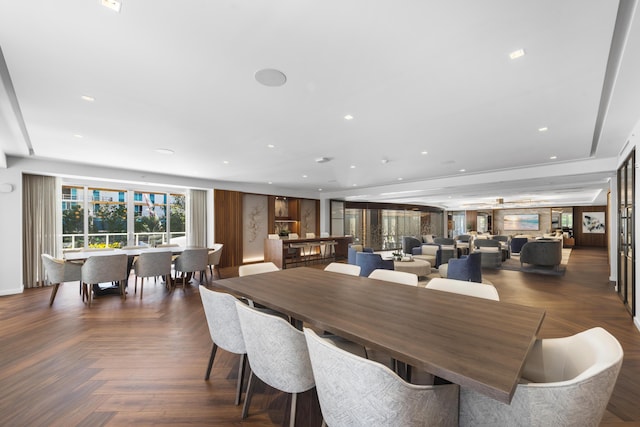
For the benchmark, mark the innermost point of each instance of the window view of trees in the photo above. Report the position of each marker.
(110, 213)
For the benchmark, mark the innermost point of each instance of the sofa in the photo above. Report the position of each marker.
(542, 252)
(369, 261)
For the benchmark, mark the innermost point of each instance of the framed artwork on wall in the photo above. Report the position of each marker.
(593, 222)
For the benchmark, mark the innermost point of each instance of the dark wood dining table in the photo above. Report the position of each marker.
(473, 342)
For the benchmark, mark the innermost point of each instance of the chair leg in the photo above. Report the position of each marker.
(292, 415)
(54, 291)
(141, 285)
(213, 355)
(241, 369)
(135, 284)
(247, 398)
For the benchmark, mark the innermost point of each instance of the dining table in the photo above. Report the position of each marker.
(473, 342)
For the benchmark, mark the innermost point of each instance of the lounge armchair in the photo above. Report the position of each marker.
(370, 261)
(542, 252)
(517, 243)
(353, 249)
(467, 267)
(491, 252)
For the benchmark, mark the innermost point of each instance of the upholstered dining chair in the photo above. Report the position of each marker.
(59, 271)
(152, 264)
(401, 277)
(257, 268)
(278, 354)
(463, 287)
(339, 267)
(103, 269)
(224, 328)
(191, 261)
(214, 259)
(354, 391)
(565, 382)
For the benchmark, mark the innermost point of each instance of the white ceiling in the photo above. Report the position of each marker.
(415, 75)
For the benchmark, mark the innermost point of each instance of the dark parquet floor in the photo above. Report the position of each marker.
(142, 362)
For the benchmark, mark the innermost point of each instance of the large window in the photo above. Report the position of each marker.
(116, 217)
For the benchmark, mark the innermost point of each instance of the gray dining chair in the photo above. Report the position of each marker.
(60, 271)
(354, 391)
(191, 261)
(224, 328)
(213, 259)
(565, 382)
(104, 269)
(152, 264)
(278, 355)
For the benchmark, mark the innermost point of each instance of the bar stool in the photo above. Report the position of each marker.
(315, 251)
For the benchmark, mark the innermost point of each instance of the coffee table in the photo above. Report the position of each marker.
(417, 266)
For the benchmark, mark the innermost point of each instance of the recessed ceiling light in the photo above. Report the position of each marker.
(352, 166)
(270, 77)
(87, 98)
(543, 129)
(271, 146)
(384, 161)
(424, 153)
(553, 157)
(226, 162)
(348, 117)
(111, 4)
(463, 170)
(77, 135)
(399, 179)
(354, 185)
(270, 182)
(319, 189)
(305, 176)
(516, 54)
(164, 151)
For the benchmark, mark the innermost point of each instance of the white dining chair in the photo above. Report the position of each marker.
(60, 271)
(565, 382)
(401, 277)
(354, 391)
(257, 268)
(474, 289)
(339, 267)
(214, 259)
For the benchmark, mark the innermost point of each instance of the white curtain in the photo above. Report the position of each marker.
(197, 218)
(40, 225)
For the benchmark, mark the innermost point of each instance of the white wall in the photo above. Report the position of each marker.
(11, 232)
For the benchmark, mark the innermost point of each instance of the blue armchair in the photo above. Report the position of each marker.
(517, 243)
(467, 267)
(353, 249)
(369, 261)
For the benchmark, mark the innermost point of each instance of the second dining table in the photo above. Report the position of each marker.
(469, 341)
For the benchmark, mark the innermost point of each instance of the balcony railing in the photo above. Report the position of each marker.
(109, 239)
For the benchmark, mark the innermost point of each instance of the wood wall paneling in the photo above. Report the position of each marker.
(227, 207)
(589, 239)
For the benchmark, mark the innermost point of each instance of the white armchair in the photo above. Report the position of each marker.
(569, 383)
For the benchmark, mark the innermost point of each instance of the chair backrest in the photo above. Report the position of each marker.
(369, 261)
(277, 351)
(339, 267)
(487, 243)
(293, 236)
(215, 254)
(517, 243)
(192, 260)
(479, 290)
(354, 391)
(467, 267)
(573, 378)
(54, 268)
(401, 277)
(151, 264)
(168, 245)
(102, 269)
(273, 236)
(310, 235)
(222, 319)
(261, 267)
(444, 241)
(98, 249)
